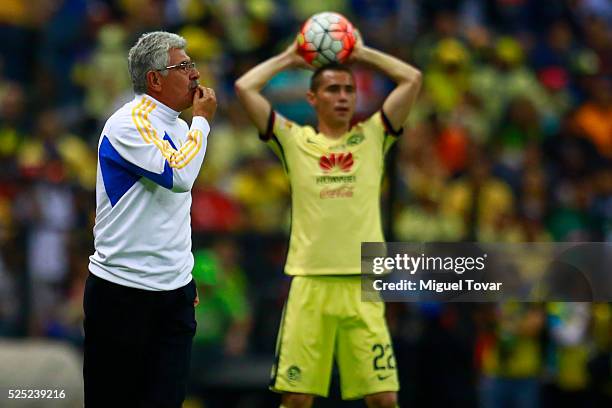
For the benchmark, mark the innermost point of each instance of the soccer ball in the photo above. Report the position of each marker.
(326, 38)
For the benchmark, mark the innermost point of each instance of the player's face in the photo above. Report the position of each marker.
(335, 98)
(179, 85)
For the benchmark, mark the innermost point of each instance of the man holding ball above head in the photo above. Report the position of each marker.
(140, 296)
(335, 172)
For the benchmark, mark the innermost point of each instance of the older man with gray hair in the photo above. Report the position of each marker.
(140, 295)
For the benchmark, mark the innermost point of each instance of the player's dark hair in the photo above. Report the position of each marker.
(315, 79)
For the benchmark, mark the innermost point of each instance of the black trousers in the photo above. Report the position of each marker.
(137, 345)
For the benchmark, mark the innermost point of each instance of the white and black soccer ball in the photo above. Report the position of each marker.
(326, 38)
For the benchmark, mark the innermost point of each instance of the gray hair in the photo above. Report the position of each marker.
(151, 53)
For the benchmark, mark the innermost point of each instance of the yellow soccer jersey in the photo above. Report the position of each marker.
(335, 192)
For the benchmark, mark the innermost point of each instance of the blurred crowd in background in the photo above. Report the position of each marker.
(510, 141)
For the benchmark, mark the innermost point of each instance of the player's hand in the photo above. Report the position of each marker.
(294, 59)
(204, 102)
(196, 301)
(356, 54)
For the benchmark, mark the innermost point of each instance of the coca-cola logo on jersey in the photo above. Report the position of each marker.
(337, 192)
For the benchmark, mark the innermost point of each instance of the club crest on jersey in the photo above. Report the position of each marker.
(294, 373)
(355, 139)
(333, 161)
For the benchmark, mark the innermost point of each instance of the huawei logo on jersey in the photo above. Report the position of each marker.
(342, 161)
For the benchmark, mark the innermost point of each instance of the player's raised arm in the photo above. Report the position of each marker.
(248, 86)
(408, 79)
